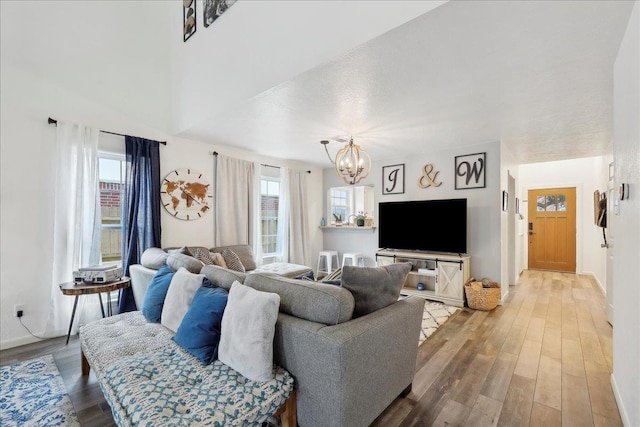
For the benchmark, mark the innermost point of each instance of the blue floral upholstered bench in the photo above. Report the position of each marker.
(149, 380)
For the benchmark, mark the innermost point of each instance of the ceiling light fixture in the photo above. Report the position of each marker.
(352, 163)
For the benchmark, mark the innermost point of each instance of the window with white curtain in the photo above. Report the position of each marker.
(111, 171)
(270, 195)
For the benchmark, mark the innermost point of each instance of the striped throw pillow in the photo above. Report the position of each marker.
(232, 260)
(203, 256)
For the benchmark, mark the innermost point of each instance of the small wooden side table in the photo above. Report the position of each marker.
(77, 289)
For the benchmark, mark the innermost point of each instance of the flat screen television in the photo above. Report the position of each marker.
(423, 225)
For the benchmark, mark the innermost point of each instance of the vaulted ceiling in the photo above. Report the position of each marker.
(401, 77)
(536, 75)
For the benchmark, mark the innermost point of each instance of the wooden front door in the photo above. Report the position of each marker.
(552, 229)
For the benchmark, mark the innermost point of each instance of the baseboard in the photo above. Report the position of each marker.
(602, 288)
(504, 298)
(17, 342)
(621, 409)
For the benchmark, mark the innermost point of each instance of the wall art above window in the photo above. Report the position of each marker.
(393, 179)
(213, 9)
(470, 171)
(188, 18)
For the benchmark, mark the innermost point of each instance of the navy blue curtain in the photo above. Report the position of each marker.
(140, 208)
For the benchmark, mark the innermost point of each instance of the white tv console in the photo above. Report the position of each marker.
(443, 275)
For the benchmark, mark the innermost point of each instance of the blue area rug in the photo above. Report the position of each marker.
(33, 394)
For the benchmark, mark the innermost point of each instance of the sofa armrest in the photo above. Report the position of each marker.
(347, 374)
(140, 279)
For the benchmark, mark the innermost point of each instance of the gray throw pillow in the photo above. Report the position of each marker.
(181, 291)
(175, 261)
(154, 258)
(221, 277)
(248, 328)
(374, 287)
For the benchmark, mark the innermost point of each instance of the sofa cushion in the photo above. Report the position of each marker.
(154, 258)
(156, 293)
(244, 252)
(374, 287)
(199, 332)
(179, 296)
(232, 260)
(222, 277)
(177, 260)
(248, 327)
(307, 300)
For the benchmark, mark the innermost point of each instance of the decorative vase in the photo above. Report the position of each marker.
(360, 222)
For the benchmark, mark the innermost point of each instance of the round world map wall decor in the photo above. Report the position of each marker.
(185, 194)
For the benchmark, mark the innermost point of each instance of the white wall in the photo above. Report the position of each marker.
(508, 168)
(626, 264)
(286, 38)
(587, 175)
(26, 188)
(483, 205)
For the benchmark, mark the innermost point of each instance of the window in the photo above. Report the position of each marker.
(270, 191)
(340, 198)
(551, 203)
(111, 171)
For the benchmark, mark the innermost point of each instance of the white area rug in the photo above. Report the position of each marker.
(435, 314)
(33, 394)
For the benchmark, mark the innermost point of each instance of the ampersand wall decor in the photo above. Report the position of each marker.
(427, 179)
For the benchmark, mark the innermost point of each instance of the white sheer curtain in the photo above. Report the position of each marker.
(293, 232)
(77, 230)
(237, 204)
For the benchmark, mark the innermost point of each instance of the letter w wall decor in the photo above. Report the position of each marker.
(470, 171)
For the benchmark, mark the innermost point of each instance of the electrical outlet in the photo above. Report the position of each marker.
(18, 308)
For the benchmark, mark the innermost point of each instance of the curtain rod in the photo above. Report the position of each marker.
(215, 153)
(55, 122)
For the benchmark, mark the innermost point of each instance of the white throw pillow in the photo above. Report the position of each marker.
(248, 327)
(179, 296)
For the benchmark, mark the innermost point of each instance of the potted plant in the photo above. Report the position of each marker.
(338, 219)
(360, 217)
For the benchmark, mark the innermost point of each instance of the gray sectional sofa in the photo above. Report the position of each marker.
(346, 369)
(141, 274)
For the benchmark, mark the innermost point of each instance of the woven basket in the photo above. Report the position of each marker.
(482, 295)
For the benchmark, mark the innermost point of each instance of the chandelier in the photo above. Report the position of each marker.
(352, 163)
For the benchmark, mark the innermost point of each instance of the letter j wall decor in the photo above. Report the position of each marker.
(393, 179)
(470, 171)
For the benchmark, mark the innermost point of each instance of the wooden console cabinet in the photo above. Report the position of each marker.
(442, 275)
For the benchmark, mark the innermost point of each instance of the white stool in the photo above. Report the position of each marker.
(327, 257)
(357, 259)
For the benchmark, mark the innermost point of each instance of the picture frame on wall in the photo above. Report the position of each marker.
(188, 18)
(393, 179)
(212, 9)
(505, 201)
(470, 171)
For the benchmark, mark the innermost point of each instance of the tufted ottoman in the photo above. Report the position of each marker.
(148, 380)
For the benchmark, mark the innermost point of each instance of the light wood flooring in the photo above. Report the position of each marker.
(542, 359)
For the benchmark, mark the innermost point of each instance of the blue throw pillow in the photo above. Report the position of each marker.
(156, 292)
(199, 332)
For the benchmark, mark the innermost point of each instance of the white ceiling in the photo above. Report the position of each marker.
(536, 75)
